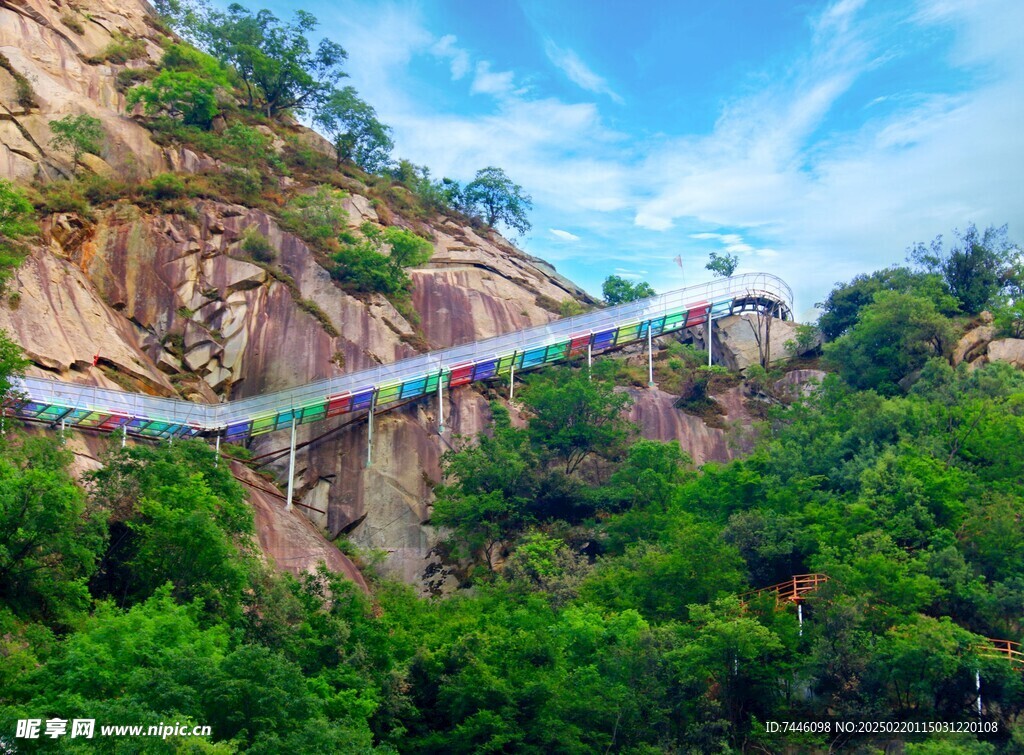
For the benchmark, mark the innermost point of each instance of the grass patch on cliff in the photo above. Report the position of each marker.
(121, 49)
(23, 91)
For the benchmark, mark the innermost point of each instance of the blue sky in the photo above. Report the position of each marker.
(816, 140)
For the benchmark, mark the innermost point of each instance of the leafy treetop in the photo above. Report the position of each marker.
(618, 290)
(77, 134)
(278, 68)
(723, 264)
(498, 199)
(353, 128)
(976, 269)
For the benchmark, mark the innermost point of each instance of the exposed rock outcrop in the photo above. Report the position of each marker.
(737, 340)
(1010, 350)
(973, 344)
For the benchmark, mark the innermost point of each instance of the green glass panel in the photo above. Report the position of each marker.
(388, 393)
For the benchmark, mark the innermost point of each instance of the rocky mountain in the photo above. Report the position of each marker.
(164, 299)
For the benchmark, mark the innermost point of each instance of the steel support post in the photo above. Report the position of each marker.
(291, 468)
(512, 379)
(590, 361)
(440, 402)
(216, 451)
(650, 356)
(124, 435)
(369, 430)
(709, 335)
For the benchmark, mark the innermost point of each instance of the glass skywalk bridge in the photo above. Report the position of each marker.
(60, 404)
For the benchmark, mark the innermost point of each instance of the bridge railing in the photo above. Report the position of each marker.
(750, 286)
(105, 409)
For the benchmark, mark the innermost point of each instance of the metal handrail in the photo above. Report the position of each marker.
(207, 418)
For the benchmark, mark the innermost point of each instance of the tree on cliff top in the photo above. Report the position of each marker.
(498, 199)
(353, 128)
(894, 336)
(977, 268)
(278, 68)
(723, 264)
(618, 290)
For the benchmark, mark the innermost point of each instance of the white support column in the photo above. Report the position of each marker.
(216, 451)
(650, 356)
(709, 334)
(590, 361)
(440, 402)
(291, 468)
(512, 379)
(124, 435)
(369, 431)
(800, 617)
(63, 440)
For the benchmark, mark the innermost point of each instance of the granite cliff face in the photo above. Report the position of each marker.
(168, 304)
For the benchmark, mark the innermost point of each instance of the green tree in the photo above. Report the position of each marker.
(840, 309)
(894, 336)
(488, 485)
(316, 216)
(723, 265)
(378, 261)
(278, 68)
(498, 199)
(575, 416)
(738, 657)
(175, 518)
(618, 290)
(77, 134)
(179, 94)
(12, 362)
(17, 220)
(442, 195)
(352, 126)
(650, 476)
(976, 268)
(661, 580)
(17, 216)
(49, 540)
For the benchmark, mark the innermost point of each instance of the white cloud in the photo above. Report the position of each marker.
(578, 72)
(564, 235)
(458, 58)
(487, 82)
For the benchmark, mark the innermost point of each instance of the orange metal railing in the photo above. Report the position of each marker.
(793, 589)
(1008, 649)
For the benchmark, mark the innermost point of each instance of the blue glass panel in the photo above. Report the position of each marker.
(415, 388)
(485, 370)
(533, 357)
(603, 339)
(361, 399)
